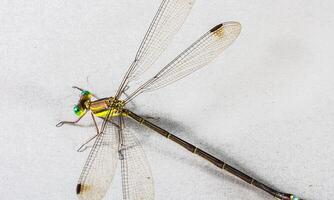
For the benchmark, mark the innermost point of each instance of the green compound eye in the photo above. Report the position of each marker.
(78, 111)
(85, 93)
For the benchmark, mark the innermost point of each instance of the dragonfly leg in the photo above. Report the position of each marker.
(121, 140)
(144, 116)
(84, 146)
(95, 124)
(80, 89)
(69, 122)
(121, 153)
(126, 95)
(126, 88)
(134, 105)
(76, 87)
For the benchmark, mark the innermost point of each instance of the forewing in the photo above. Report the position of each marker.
(137, 180)
(199, 54)
(100, 166)
(167, 21)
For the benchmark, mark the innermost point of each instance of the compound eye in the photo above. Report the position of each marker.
(85, 93)
(78, 110)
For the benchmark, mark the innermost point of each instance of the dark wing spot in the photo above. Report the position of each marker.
(216, 28)
(78, 188)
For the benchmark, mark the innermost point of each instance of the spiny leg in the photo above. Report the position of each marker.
(126, 95)
(82, 90)
(121, 148)
(76, 87)
(95, 124)
(69, 122)
(83, 147)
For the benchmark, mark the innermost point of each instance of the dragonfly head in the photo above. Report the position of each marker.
(83, 105)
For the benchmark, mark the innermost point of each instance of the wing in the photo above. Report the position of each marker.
(200, 53)
(100, 166)
(165, 24)
(137, 180)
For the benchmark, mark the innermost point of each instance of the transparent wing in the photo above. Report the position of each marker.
(200, 53)
(167, 21)
(137, 180)
(100, 166)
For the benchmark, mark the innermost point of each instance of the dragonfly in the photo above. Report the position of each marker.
(115, 141)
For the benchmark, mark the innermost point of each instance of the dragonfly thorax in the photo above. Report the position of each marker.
(107, 107)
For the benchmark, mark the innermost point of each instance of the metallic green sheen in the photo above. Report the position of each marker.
(76, 110)
(85, 93)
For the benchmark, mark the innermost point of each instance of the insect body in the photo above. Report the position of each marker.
(107, 108)
(104, 108)
(116, 143)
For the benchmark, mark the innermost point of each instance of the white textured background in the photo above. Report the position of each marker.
(265, 106)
